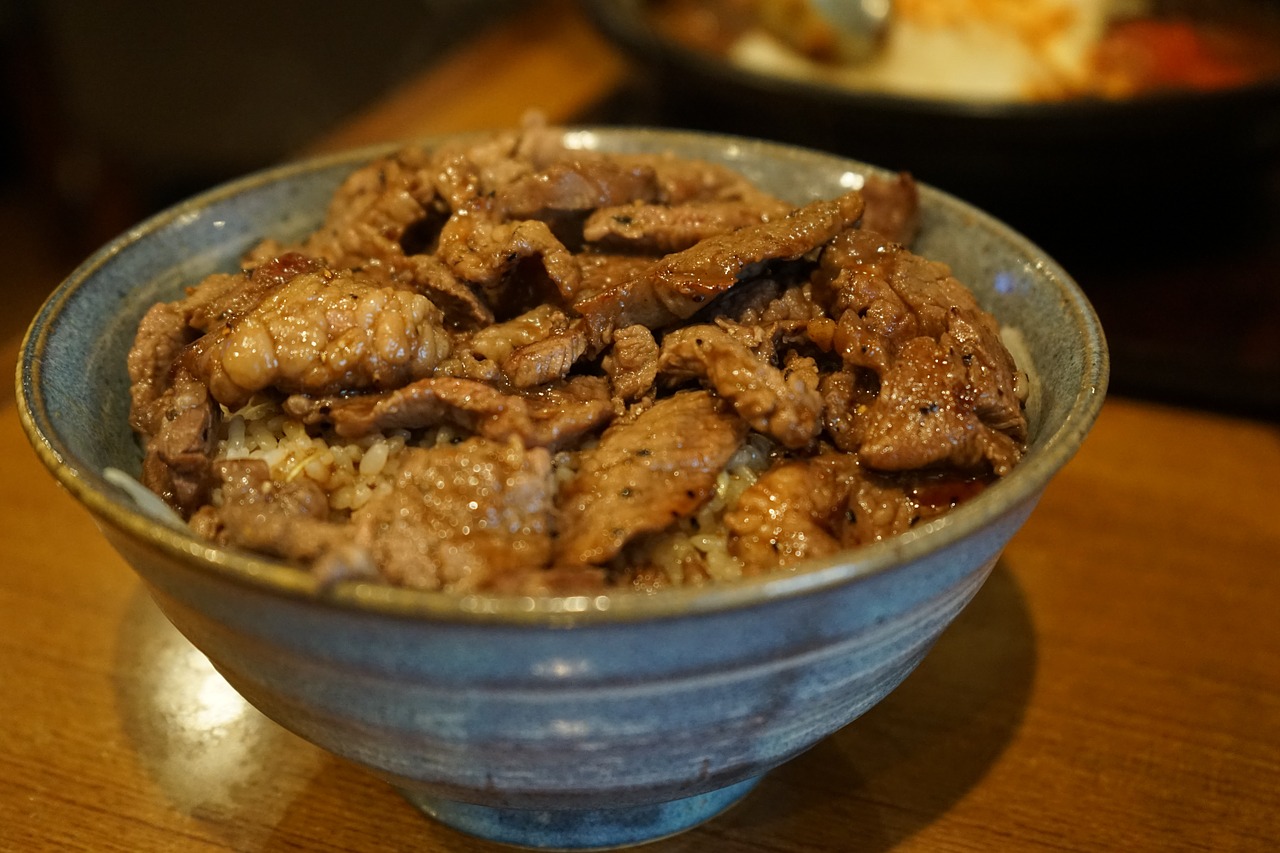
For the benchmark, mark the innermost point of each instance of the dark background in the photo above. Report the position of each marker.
(111, 111)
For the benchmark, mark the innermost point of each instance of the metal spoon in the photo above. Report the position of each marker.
(859, 24)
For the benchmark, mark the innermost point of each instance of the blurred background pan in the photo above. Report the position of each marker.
(1001, 153)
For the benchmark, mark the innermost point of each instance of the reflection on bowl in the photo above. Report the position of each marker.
(566, 722)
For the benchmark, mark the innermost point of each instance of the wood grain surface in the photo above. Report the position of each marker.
(1114, 686)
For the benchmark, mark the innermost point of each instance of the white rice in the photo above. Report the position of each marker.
(352, 472)
(349, 472)
(702, 542)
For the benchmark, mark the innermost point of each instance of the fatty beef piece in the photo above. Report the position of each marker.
(292, 325)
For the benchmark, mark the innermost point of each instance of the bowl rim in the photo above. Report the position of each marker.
(110, 505)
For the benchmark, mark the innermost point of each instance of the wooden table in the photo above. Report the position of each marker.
(1114, 686)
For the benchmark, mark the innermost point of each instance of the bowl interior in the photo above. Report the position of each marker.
(73, 385)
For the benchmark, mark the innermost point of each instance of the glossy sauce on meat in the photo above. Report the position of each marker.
(508, 366)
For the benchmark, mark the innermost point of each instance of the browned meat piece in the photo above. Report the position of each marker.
(394, 214)
(456, 178)
(675, 286)
(546, 418)
(579, 184)
(484, 251)
(466, 363)
(602, 272)
(994, 381)
(632, 363)
(566, 411)
(168, 327)
(859, 345)
(474, 406)
(391, 214)
(644, 475)
(682, 180)
(548, 359)
(773, 318)
(321, 333)
(686, 280)
(777, 340)
(949, 388)
(784, 406)
(370, 213)
(801, 372)
(742, 303)
(926, 416)
(470, 169)
(539, 143)
(845, 396)
(794, 303)
(162, 333)
(461, 517)
(791, 513)
(387, 218)
(534, 348)
(893, 207)
(878, 508)
(480, 354)
(872, 319)
(810, 508)
(659, 229)
(899, 294)
(820, 331)
(220, 299)
(171, 407)
(179, 441)
(461, 305)
(373, 210)
(630, 302)
(288, 520)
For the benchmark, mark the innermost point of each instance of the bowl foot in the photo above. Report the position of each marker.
(581, 829)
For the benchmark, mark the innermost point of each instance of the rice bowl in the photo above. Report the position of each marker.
(576, 721)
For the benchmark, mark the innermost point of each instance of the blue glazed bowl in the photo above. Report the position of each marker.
(569, 722)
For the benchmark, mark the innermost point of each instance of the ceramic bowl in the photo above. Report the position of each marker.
(569, 722)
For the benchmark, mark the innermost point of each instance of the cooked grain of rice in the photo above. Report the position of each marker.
(352, 472)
